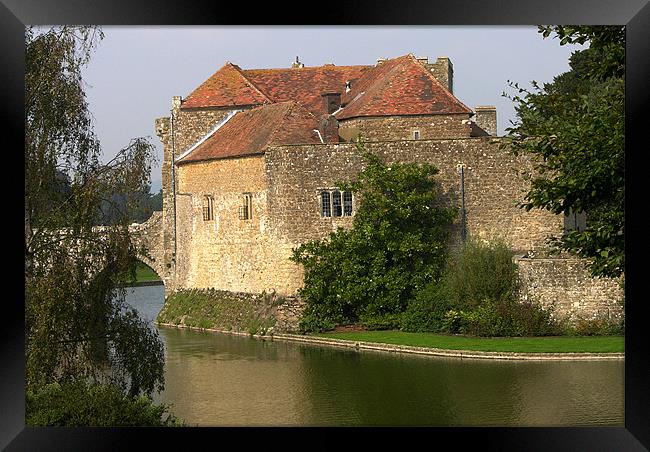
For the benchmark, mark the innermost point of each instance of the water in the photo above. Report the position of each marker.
(223, 380)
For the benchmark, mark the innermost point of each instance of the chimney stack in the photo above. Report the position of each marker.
(443, 71)
(331, 102)
(486, 118)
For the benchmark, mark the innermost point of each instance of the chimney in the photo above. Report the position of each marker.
(486, 118)
(331, 102)
(443, 71)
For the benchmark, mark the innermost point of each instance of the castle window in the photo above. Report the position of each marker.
(208, 214)
(336, 204)
(246, 210)
(326, 210)
(347, 203)
(337, 209)
(416, 134)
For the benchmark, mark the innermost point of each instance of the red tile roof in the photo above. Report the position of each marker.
(400, 86)
(250, 132)
(225, 88)
(306, 84)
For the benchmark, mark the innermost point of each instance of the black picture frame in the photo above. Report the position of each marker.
(635, 14)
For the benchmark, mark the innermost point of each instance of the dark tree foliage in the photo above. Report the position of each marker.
(396, 245)
(78, 326)
(575, 126)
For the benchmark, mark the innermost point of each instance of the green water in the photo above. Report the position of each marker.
(224, 380)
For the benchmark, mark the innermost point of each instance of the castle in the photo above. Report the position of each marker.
(252, 158)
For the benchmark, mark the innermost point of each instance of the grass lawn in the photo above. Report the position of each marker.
(144, 273)
(555, 344)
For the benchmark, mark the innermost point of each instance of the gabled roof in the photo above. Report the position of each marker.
(250, 132)
(400, 86)
(225, 88)
(305, 84)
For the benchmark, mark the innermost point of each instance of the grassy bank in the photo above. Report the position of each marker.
(209, 308)
(555, 344)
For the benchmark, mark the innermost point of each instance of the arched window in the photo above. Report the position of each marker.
(207, 208)
(246, 210)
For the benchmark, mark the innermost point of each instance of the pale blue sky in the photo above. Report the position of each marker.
(135, 71)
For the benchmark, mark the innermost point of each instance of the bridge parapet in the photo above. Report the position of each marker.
(150, 236)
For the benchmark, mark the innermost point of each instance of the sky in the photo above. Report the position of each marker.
(135, 71)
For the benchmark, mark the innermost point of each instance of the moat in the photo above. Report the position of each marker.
(225, 380)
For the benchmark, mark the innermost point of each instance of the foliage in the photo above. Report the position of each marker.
(504, 318)
(389, 321)
(428, 310)
(575, 125)
(79, 404)
(477, 296)
(396, 245)
(78, 326)
(596, 327)
(480, 271)
(140, 205)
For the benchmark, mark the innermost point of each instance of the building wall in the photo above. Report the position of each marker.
(178, 133)
(225, 253)
(296, 175)
(566, 286)
(390, 128)
(492, 186)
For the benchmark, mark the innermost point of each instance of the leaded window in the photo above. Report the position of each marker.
(326, 209)
(335, 203)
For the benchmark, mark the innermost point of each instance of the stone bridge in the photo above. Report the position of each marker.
(150, 235)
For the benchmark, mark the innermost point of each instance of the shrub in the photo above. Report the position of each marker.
(426, 312)
(481, 271)
(396, 245)
(313, 323)
(596, 327)
(79, 404)
(381, 322)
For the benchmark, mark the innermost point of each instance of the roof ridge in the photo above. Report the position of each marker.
(250, 83)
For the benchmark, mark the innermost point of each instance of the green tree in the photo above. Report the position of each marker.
(396, 245)
(78, 325)
(575, 126)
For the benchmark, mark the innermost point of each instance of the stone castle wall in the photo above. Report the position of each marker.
(492, 185)
(396, 128)
(566, 286)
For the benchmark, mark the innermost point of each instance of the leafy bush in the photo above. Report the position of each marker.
(313, 323)
(596, 327)
(391, 321)
(79, 404)
(427, 311)
(481, 271)
(397, 244)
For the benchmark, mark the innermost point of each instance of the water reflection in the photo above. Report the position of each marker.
(219, 379)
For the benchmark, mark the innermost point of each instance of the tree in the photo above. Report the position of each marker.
(78, 325)
(396, 245)
(575, 126)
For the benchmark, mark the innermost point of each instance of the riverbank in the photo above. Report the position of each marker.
(420, 350)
